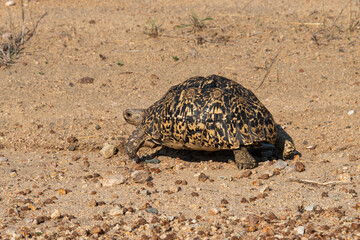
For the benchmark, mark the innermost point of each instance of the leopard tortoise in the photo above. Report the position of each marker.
(208, 113)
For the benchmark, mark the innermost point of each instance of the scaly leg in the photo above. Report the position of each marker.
(243, 159)
(135, 142)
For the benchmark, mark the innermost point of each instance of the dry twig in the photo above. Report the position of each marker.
(315, 183)
(268, 69)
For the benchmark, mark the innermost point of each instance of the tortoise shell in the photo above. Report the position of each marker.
(209, 113)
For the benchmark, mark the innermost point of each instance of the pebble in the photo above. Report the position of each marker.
(345, 177)
(116, 211)
(280, 164)
(86, 80)
(290, 169)
(300, 230)
(110, 181)
(264, 176)
(245, 173)
(96, 230)
(175, 189)
(202, 177)
(144, 192)
(351, 112)
(140, 176)
(108, 150)
(300, 167)
(62, 191)
(41, 219)
(153, 161)
(152, 210)
(310, 208)
(9, 3)
(213, 211)
(3, 160)
(264, 188)
(55, 214)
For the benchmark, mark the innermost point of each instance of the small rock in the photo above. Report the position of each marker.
(194, 194)
(352, 158)
(116, 211)
(96, 230)
(355, 226)
(144, 192)
(55, 214)
(154, 77)
(290, 169)
(108, 150)
(86, 80)
(140, 176)
(224, 201)
(264, 188)
(244, 200)
(152, 210)
(110, 181)
(276, 172)
(264, 176)
(62, 191)
(72, 139)
(213, 211)
(300, 167)
(311, 147)
(310, 208)
(202, 177)
(41, 219)
(175, 189)
(153, 161)
(9, 3)
(246, 173)
(345, 177)
(351, 112)
(300, 230)
(3, 160)
(272, 216)
(72, 147)
(280, 164)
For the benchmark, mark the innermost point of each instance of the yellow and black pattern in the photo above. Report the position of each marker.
(210, 114)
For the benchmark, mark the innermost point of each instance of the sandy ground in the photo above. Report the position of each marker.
(52, 187)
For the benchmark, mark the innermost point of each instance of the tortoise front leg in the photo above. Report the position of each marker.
(243, 159)
(135, 142)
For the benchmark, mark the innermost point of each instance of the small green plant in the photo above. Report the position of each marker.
(119, 63)
(175, 58)
(196, 24)
(41, 73)
(154, 29)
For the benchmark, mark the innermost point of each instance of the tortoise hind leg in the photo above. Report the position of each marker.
(134, 143)
(243, 159)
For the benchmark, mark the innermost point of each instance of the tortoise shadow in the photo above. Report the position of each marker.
(222, 156)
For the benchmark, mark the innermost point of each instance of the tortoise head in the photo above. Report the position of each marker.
(134, 116)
